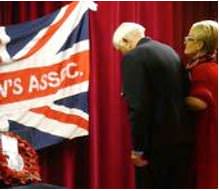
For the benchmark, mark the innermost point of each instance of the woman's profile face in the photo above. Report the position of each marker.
(193, 45)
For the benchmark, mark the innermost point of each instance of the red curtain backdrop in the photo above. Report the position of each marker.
(102, 159)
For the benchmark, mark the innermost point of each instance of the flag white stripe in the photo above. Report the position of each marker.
(60, 36)
(46, 100)
(69, 111)
(47, 125)
(47, 61)
(25, 49)
(4, 39)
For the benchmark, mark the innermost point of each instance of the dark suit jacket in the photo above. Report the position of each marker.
(153, 88)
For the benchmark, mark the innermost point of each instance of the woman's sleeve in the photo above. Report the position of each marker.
(200, 87)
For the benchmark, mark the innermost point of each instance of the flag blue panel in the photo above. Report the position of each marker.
(21, 34)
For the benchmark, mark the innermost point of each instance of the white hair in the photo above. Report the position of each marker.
(125, 30)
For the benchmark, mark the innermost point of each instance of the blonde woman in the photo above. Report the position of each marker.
(201, 48)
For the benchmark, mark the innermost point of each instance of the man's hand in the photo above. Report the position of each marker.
(137, 159)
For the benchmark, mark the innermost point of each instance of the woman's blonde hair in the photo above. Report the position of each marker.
(207, 31)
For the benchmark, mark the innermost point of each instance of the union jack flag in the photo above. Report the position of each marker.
(44, 76)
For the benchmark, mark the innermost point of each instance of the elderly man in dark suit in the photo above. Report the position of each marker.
(152, 87)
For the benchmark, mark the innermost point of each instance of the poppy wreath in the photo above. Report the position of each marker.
(30, 172)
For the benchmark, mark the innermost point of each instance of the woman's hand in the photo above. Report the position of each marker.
(195, 104)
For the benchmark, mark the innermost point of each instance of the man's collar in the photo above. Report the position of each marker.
(143, 40)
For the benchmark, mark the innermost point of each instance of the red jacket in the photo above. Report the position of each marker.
(204, 86)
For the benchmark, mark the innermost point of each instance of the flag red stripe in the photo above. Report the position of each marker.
(63, 117)
(52, 29)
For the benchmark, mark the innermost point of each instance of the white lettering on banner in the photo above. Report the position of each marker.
(37, 83)
(43, 84)
(52, 79)
(34, 84)
(4, 88)
(15, 84)
(18, 89)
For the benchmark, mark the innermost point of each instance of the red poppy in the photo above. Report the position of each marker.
(30, 172)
